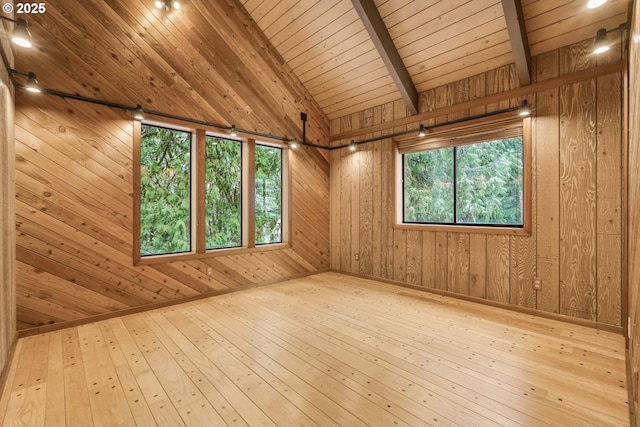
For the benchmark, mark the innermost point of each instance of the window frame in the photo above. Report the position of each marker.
(198, 208)
(455, 135)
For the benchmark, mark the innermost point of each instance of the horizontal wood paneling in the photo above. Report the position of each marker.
(575, 243)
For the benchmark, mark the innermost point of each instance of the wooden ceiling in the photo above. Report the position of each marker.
(320, 60)
(439, 41)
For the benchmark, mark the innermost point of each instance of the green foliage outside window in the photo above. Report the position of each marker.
(165, 188)
(428, 186)
(487, 186)
(223, 193)
(268, 201)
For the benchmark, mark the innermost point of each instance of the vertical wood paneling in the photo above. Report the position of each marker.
(633, 215)
(336, 220)
(609, 200)
(547, 181)
(478, 265)
(498, 268)
(414, 257)
(7, 211)
(568, 171)
(365, 232)
(376, 218)
(578, 200)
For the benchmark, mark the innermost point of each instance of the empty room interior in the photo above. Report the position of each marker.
(320, 213)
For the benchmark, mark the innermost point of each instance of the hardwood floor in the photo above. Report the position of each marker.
(324, 350)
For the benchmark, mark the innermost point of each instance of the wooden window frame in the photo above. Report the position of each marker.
(198, 240)
(457, 134)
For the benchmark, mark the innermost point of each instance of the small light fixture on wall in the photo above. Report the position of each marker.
(31, 84)
(422, 132)
(20, 34)
(233, 132)
(352, 146)
(602, 43)
(293, 144)
(525, 109)
(138, 113)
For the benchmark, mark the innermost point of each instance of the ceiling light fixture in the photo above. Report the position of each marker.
(422, 132)
(525, 109)
(595, 3)
(602, 43)
(233, 131)
(167, 4)
(20, 34)
(138, 114)
(293, 144)
(352, 146)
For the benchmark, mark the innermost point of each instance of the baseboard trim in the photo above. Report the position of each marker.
(524, 310)
(153, 306)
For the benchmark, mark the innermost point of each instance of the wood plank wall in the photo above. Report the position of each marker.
(74, 159)
(575, 246)
(633, 208)
(74, 220)
(7, 211)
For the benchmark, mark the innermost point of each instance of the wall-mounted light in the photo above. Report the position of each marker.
(167, 4)
(233, 132)
(293, 144)
(602, 43)
(352, 146)
(31, 83)
(592, 4)
(422, 131)
(20, 34)
(138, 113)
(525, 109)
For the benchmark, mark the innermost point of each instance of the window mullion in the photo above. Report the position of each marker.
(455, 185)
(199, 180)
(249, 195)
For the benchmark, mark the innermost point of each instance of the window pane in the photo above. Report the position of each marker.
(489, 183)
(268, 199)
(223, 196)
(165, 191)
(428, 186)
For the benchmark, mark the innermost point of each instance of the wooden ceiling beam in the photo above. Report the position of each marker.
(519, 42)
(379, 33)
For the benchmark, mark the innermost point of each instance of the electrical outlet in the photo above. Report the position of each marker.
(537, 283)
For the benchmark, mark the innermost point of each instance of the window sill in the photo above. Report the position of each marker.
(213, 253)
(464, 229)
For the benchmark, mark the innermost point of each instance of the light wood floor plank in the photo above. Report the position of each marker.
(325, 350)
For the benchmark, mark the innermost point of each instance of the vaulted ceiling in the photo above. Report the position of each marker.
(259, 63)
(327, 44)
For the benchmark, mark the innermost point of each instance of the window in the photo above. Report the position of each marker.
(471, 177)
(165, 190)
(268, 194)
(195, 193)
(223, 193)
